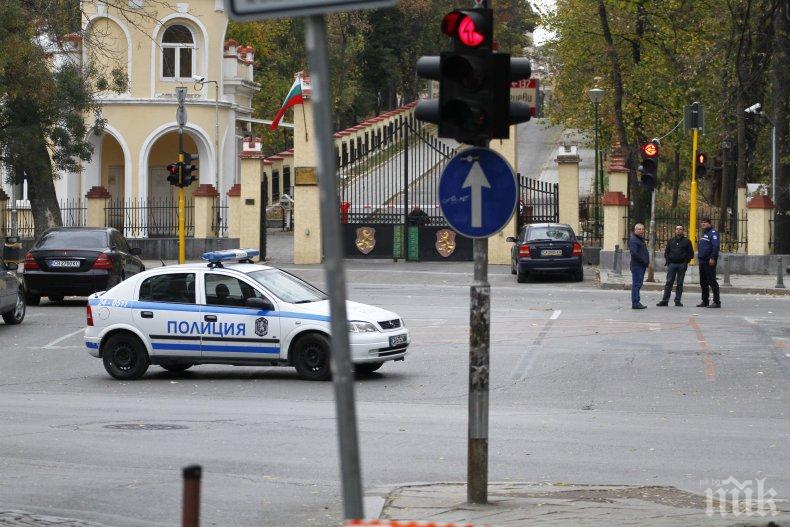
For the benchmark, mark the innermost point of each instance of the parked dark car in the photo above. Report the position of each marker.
(12, 294)
(546, 248)
(78, 261)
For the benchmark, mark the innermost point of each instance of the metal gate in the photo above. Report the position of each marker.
(389, 207)
(538, 201)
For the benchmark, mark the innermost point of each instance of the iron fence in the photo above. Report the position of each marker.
(538, 201)
(73, 213)
(151, 218)
(219, 219)
(590, 222)
(732, 233)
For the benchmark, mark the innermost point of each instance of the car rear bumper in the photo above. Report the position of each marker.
(77, 284)
(375, 346)
(550, 265)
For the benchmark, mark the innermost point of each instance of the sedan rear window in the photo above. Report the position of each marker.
(73, 240)
(561, 234)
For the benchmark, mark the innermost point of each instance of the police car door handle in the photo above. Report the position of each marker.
(210, 318)
(147, 314)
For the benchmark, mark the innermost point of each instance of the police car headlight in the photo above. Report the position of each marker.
(357, 326)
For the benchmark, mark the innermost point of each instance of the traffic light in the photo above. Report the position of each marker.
(648, 168)
(187, 178)
(702, 165)
(173, 171)
(474, 82)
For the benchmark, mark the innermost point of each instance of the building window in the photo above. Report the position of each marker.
(178, 53)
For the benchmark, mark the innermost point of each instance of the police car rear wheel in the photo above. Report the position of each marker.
(125, 357)
(311, 358)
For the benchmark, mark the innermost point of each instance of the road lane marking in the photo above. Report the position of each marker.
(53, 345)
(556, 314)
(710, 372)
(528, 357)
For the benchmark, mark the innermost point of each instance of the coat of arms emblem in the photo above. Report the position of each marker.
(445, 242)
(261, 326)
(366, 239)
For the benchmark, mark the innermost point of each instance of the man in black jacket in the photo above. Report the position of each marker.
(678, 254)
(640, 258)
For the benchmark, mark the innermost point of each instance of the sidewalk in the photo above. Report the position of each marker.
(741, 283)
(530, 504)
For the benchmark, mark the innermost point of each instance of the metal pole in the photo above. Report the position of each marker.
(597, 173)
(14, 212)
(342, 373)
(617, 261)
(479, 337)
(727, 282)
(190, 515)
(773, 182)
(693, 198)
(780, 284)
(652, 264)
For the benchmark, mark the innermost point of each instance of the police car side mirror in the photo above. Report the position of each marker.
(259, 303)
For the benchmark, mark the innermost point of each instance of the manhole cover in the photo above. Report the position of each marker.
(145, 426)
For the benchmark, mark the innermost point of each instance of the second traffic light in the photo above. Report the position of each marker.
(474, 82)
(180, 174)
(702, 165)
(648, 168)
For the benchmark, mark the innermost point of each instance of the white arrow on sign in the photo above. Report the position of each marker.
(476, 179)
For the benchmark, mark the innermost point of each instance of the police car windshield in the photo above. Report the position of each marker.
(287, 287)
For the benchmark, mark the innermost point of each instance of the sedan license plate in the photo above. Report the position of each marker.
(64, 263)
(397, 340)
(551, 252)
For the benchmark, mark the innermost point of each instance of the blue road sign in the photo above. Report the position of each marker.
(477, 192)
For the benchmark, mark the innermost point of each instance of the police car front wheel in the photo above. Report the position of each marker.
(311, 357)
(125, 357)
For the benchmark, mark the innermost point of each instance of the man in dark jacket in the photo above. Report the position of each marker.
(639, 261)
(707, 257)
(678, 254)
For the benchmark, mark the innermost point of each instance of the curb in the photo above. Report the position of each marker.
(724, 289)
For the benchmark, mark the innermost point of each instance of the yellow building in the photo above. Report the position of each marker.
(139, 58)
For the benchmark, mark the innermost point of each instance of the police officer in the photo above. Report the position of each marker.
(678, 254)
(707, 257)
(640, 258)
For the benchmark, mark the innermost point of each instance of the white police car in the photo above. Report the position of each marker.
(240, 314)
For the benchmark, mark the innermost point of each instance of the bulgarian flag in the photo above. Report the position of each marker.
(293, 98)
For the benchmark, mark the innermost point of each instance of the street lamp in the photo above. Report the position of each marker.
(755, 109)
(596, 94)
(199, 83)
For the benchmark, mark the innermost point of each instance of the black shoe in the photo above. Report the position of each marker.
(639, 306)
(663, 303)
(715, 305)
(702, 304)
(678, 303)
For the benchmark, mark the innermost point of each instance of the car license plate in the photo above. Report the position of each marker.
(64, 263)
(551, 252)
(397, 340)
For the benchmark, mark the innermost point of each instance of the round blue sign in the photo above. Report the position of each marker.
(477, 192)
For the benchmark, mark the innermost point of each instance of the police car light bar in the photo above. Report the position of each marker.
(231, 254)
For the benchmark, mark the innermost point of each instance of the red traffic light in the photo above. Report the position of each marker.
(650, 149)
(471, 27)
(702, 159)
(172, 168)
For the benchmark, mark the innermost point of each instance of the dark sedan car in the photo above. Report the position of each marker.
(12, 294)
(78, 261)
(546, 248)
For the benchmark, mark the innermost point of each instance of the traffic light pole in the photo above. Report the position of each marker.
(693, 198)
(340, 357)
(479, 359)
(181, 201)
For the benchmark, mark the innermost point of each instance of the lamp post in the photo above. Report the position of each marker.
(755, 109)
(596, 94)
(199, 83)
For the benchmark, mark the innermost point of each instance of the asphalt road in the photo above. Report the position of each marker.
(583, 390)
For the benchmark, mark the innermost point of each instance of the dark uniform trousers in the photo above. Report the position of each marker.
(707, 281)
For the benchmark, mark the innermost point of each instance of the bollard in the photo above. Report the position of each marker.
(780, 283)
(616, 268)
(727, 271)
(191, 512)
